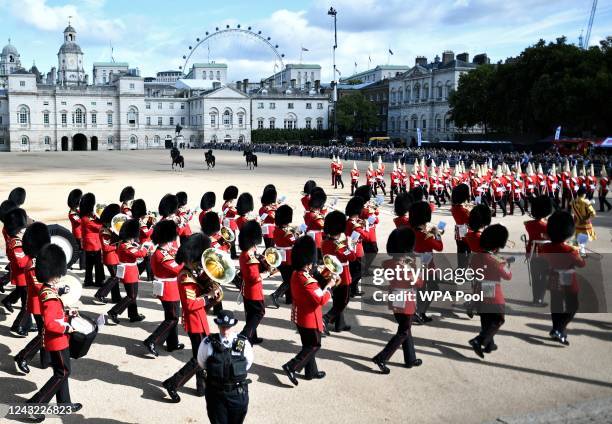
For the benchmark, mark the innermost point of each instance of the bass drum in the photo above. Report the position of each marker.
(64, 239)
(85, 331)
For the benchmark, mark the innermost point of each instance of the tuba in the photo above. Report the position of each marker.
(117, 222)
(227, 234)
(218, 265)
(272, 257)
(332, 268)
(99, 208)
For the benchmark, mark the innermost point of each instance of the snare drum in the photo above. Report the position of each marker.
(85, 331)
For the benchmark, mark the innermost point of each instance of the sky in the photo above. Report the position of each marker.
(154, 35)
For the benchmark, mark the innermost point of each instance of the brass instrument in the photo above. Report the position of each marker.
(98, 209)
(209, 287)
(218, 265)
(272, 257)
(117, 222)
(227, 234)
(332, 268)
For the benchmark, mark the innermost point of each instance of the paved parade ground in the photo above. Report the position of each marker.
(528, 377)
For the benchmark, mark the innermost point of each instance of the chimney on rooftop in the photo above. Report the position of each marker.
(448, 56)
(464, 57)
(420, 60)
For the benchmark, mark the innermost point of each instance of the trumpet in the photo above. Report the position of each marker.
(297, 231)
(150, 219)
(218, 265)
(99, 208)
(227, 234)
(117, 222)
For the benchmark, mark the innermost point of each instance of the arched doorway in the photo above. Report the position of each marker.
(94, 143)
(227, 139)
(64, 144)
(79, 142)
(168, 142)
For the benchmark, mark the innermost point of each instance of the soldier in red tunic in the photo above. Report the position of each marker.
(50, 267)
(399, 246)
(229, 213)
(126, 197)
(207, 203)
(108, 239)
(604, 183)
(354, 178)
(284, 238)
(461, 214)
(541, 207)
(308, 300)
(338, 173)
(129, 252)
(495, 269)
(244, 208)
(185, 214)
(357, 232)
(212, 229)
(305, 200)
(480, 218)
(562, 260)
(516, 195)
(90, 228)
(165, 272)
(314, 218)
(370, 214)
(266, 215)
(146, 221)
(74, 198)
(395, 177)
(5, 207)
(402, 204)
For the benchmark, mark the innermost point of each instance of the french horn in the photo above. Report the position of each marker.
(227, 234)
(272, 257)
(218, 265)
(99, 209)
(117, 222)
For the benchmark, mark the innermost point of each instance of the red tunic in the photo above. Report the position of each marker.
(562, 257)
(252, 289)
(34, 288)
(494, 270)
(166, 269)
(340, 250)
(405, 306)
(536, 231)
(401, 221)
(75, 222)
(267, 225)
(194, 305)
(354, 175)
(18, 261)
(218, 242)
(366, 213)
(472, 238)
(461, 216)
(54, 319)
(314, 221)
(306, 201)
(307, 300)
(90, 229)
(229, 211)
(185, 214)
(109, 247)
(145, 232)
(284, 239)
(128, 254)
(240, 221)
(356, 225)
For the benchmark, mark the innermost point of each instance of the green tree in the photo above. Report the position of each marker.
(356, 114)
(472, 104)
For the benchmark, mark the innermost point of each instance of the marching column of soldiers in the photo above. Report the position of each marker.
(320, 261)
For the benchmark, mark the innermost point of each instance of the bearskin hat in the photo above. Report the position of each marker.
(354, 206)
(308, 186)
(317, 198)
(50, 263)
(494, 237)
(269, 196)
(130, 230)
(5, 207)
(34, 238)
(249, 236)
(581, 191)
(400, 241)
(230, 193)
(127, 194)
(284, 215)
(480, 217)
(304, 252)
(168, 205)
(191, 249)
(17, 195)
(335, 223)
(14, 221)
(139, 209)
(74, 198)
(210, 223)
(402, 204)
(182, 198)
(541, 207)
(364, 192)
(164, 232)
(560, 226)
(269, 187)
(419, 214)
(460, 194)
(208, 201)
(109, 213)
(417, 193)
(244, 204)
(87, 204)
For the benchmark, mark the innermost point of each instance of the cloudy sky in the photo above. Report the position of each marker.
(153, 35)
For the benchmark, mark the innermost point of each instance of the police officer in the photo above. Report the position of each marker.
(226, 356)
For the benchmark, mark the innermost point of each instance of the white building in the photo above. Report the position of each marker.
(303, 76)
(290, 109)
(376, 74)
(103, 72)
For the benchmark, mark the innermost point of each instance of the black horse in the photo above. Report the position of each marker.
(210, 159)
(251, 159)
(177, 158)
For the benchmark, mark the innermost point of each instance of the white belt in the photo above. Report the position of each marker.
(284, 248)
(164, 280)
(128, 263)
(345, 263)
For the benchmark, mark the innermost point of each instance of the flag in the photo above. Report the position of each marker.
(419, 137)
(304, 49)
(391, 52)
(370, 59)
(355, 64)
(558, 133)
(339, 73)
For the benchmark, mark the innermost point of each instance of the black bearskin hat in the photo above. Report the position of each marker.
(139, 209)
(34, 238)
(364, 192)
(317, 198)
(480, 217)
(208, 201)
(210, 223)
(17, 195)
(5, 207)
(191, 249)
(230, 193)
(269, 196)
(308, 186)
(130, 230)
(87, 204)
(182, 198)
(541, 207)
(269, 187)
(249, 236)
(14, 221)
(335, 223)
(127, 194)
(354, 206)
(420, 214)
(402, 204)
(284, 215)
(560, 226)
(164, 232)
(304, 252)
(494, 237)
(74, 198)
(400, 241)
(460, 194)
(417, 193)
(244, 204)
(50, 263)
(109, 213)
(168, 205)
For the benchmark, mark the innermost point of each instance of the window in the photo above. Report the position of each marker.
(272, 105)
(109, 103)
(438, 124)
(63, 103)
(47, 140)
(1, 140)
(159, 106)
(64, 119)
(407, 125)
(204, 75)
(22, 83)
(319, 105)
(159, 121)
(227, 118)
(171, 105)
(24, 141)
(133, 140)
(182, 106)
(109, 119)
(182, 120)
(131, 86)
(240, 120)
(260, 124)
(289, 105)
(109, 140)
(0, 120)
(308, 123)
(272, 123)
(45, 119)
(260, 105)
(308, 105)
(148, 105)
(156, 140)
(94, 119)
(93, 103)
(24, 115)
(45, 103)
(218, 76)
(439, 92)
(210, 75)
(320, 124)
(171, 120)
(132, 116)
(148, 120)
(289, 124)
(213, 120)
(78, 117)
(424, 124)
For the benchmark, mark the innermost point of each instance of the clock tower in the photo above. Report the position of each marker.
(70, 60)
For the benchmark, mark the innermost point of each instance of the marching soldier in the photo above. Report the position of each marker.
(402, 204)
(380, 177)
(212, 229)
(185, 214)
(5, 207)
(314, 218)
(126, 197)
(147, 222)
(370, 214)
(338, 173)
(604, 183)
(461, 215)
(354, 178)
(229, 213)
(371, 178)
(583, 212)
(305, 200)
(516, 194)
(395, 182)
(74, 198)
(284, 238)
(498, 185)
(266, 215)
(244, 208)
(108, 240)
(479, 219)
(333, 166)
(566, 180)
(357, 232)
(207, 203)
(90, 229)
(541, 208)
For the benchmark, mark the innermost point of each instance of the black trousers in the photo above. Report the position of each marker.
(35, 345)
(604, 202)
(403, 338)
(566, 198)
(128, 302)
(94, 260)
(519, 203)
(463, 254)
(354, 185)
(306, 358)
(111, 285)
(227, 407)
(167, 330)
(285, 288)
(58, 383)
(561, 300)
(539, 278)
(490, 324)
(145, 265)
(268, 242)
(502, 205)
(191, 368)
(81, 255)
(338, 180)
(340, 298)
(355, 270)
(371, 250)
(23, 320)
(393, 191)
(254, 311)
(423, 302)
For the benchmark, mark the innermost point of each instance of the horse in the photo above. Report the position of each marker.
(179, 161)
(210, 159)
(251, 159)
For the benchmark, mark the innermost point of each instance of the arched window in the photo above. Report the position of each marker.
(241, 139)
(213, 139)
(423, 122)
(78, 116)
(227, 118)
(240, 119)
(425, 91)
(447, 89)
(290, 122)
(156, 140)
(133, 140)
(109, 140)
(415, 121)
(218, 76)
(24, 115)
(25, 140)
(132, 116)
(47, 140)
(210, 75)
(400, 96)
(204, 75)
(393, 96)
(320, 124)
(407, 96)
(439, 91)
(438, 123)
(417, 92)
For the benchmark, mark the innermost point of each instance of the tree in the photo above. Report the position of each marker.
(472, 104)
(356, 114)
